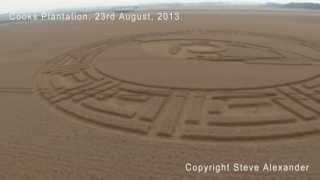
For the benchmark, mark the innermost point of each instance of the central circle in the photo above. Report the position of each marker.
(199, 64)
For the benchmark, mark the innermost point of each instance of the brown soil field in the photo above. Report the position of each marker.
(141, 101)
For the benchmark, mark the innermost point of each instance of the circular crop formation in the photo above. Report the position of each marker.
(190, 85)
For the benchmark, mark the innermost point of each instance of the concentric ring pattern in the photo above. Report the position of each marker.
(190, 85)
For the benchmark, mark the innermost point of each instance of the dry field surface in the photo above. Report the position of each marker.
(138, 101)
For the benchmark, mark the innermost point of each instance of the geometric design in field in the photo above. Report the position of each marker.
(190, 85)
